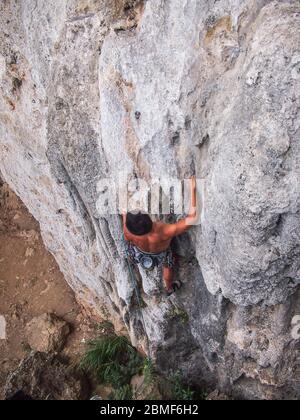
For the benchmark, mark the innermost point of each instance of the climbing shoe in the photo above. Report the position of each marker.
(177, 285)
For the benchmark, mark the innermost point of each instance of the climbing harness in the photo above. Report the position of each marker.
(148, 260)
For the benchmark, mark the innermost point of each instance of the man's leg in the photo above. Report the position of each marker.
(168, 278)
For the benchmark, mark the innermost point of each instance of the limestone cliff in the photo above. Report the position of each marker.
(91, 88)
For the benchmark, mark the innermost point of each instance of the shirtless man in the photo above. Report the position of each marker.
(146, 237)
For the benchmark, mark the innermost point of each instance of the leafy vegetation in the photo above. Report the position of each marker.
(123, 393)
(148, 371)
(179, 390)
(112, 360)
(180, 314)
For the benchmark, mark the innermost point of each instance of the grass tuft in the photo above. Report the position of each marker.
(180, 392)
(123, 393)
(111, 360)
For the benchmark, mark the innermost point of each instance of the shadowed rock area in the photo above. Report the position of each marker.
(89, 90)
(46, 377)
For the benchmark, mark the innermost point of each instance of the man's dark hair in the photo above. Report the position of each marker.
(139, 224)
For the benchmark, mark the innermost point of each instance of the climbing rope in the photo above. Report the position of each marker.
(135, 285)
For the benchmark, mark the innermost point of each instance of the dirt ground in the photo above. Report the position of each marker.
(31, 284)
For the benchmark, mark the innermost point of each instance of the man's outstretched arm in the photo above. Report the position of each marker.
(185, 224)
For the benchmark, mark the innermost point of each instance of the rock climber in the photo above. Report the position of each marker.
(148, 243)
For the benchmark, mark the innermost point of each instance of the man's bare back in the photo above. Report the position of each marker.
(154, 242)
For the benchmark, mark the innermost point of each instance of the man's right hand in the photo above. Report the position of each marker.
(185, 224)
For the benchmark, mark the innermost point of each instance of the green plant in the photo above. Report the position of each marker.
(26, 347)
(112, 360)
(179, 390)
(201, 395)
(180, 314)
(123, 393)
(148, 371)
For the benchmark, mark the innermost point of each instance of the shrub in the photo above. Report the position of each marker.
(179, 390)
(111, 360)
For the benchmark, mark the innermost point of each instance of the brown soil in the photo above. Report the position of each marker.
(31, 284)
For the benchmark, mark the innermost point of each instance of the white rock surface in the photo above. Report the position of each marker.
(215, 86)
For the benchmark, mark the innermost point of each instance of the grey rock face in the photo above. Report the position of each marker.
(162, 88)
